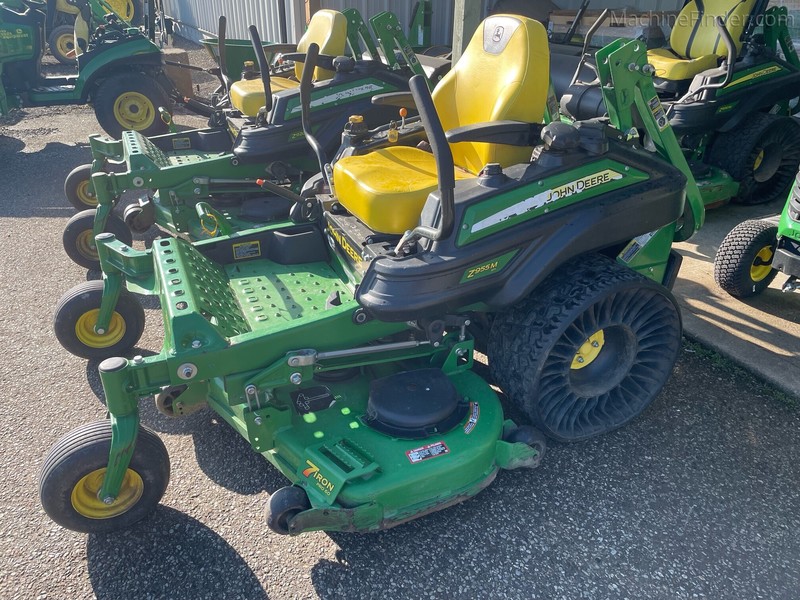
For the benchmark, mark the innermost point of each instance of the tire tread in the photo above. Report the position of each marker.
(527, 331)
(736, 254)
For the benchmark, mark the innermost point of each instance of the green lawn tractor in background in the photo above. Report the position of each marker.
(247, 168)
(120, 72)
(729, 90)
(340, 344)
(755, 251)
(60, 24)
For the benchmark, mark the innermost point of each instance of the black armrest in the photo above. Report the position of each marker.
(323, 60)
(400, 99)
(513, 133)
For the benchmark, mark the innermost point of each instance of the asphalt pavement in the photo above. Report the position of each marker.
(698, 498)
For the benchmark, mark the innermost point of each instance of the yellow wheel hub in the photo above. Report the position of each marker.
(760, 271)
(759, 159)
(588, 351)
(65, 45)
(85, 193)
(85, 498)
(84, 330)
(84, 242)
(133, 110)
(123, 8)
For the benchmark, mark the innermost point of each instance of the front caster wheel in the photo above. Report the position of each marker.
(137, 219)
(78, 238)
(168, 402)
(283, 505)
(78, 188)
(532, 437)
(588, 350)
(76, 316)
(72, 476)
(743, 264)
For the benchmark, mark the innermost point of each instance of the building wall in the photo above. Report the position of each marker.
(441, 18)
(199, 17)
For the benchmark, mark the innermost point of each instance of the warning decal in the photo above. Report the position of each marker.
(181, 143)
(658, 113)
(430, 451)
(474, 415)
(247, 250)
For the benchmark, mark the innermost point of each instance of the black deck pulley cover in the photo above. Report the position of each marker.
(414, 404)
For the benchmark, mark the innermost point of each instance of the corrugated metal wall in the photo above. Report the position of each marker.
(195, 16)
(441, 19)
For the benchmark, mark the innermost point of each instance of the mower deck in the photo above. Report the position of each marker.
(355, 476)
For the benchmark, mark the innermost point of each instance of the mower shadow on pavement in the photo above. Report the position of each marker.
(702, 302)
(227, 459)
(8, 144)
(45, 170)
(168, 555)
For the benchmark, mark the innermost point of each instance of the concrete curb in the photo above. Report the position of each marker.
(761, 334)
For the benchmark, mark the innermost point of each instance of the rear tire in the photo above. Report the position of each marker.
(76, 315)
(131, 11)
(131, 101)
(72, 473)
(78, 237)
(61, 42)
(78, 188)
(762, 155)
(742, 264)
(587, 351)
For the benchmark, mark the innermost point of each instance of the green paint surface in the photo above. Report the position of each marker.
(522, 204)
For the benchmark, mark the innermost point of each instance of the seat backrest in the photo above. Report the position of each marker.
(327, 29)
(80, 35)
(695, 34)
(504, 73)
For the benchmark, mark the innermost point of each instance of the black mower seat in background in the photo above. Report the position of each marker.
(501, 75)
(695, 43)
(327, 29)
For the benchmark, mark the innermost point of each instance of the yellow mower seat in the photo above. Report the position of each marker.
(695, 43)
(327, 29)
(400, 177)
(247, 95)
(502, 75)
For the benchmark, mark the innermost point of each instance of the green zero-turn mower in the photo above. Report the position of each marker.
(246, 168)
(729, 81)
(120, 70)
(753, 253)
(340, 345)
